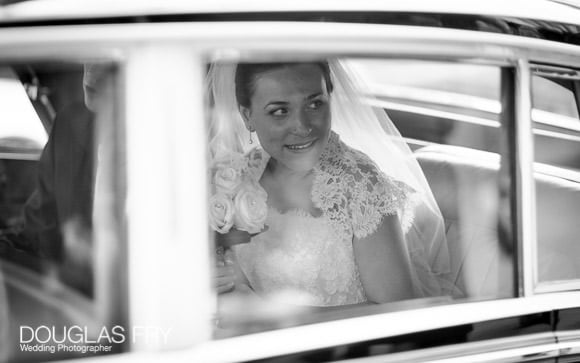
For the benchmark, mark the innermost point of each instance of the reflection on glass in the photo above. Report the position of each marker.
(52, 175)
(318, 204)
(447, 103)
(557, 200)
(557, 178)
(554, 95)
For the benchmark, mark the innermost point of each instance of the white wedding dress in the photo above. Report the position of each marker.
(309, 260)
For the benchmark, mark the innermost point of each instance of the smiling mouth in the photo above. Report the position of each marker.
(300, 147)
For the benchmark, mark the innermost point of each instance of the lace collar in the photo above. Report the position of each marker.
(349, 188)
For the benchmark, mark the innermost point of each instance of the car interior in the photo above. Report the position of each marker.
(482, 257)
(47, 89)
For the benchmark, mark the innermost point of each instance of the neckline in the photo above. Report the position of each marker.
(258, 160)
(294, 212)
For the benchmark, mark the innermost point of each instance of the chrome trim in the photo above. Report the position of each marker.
(365, 328)
(321, 38)
(557, 286)
(526, 239)
(569, 342)
(569, 348)
(527, 354)
(517, 349)
(568, 335)
(336, 333)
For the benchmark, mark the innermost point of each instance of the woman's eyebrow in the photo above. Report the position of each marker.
(314, 95)
(284, 103)
(275, 103)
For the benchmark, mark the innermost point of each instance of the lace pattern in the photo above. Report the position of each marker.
(302, 258)
(354, 193)
(312, 257)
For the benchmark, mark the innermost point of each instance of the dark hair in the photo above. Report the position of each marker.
(246, 74)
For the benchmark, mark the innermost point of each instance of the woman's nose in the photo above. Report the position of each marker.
(302, 125)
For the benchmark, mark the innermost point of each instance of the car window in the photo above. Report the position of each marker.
(557, 176)
(431, 76)
(287, 271)
(555, 96)
(55, 187)
(437, 101)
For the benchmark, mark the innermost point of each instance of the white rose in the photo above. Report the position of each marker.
(251, 208)
(227, 180)
(221, 213)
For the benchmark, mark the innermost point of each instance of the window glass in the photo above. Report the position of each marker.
(554, 96)
(317, 203)
(436, 101)
(432, 76)
(55, 299)
(557, 180)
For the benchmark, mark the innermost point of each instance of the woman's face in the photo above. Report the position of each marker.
(290, 112)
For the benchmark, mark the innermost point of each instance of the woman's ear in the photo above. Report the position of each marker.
(245, 112)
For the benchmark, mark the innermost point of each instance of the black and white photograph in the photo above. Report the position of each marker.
(302, 181)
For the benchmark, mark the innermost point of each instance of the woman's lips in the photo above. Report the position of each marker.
(300, 146)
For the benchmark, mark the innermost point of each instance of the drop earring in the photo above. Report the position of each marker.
(251, 141)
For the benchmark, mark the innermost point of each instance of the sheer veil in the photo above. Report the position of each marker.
(366, 129)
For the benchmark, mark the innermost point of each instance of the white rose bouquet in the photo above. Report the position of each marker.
(238, 200)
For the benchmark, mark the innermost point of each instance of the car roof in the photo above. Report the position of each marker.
(14, 11)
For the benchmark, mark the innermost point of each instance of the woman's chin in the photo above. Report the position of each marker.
(303, 159)
(300, 159)
(303, 162)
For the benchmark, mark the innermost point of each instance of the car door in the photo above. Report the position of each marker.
(153, 253)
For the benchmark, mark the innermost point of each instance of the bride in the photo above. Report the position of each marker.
(344, 214)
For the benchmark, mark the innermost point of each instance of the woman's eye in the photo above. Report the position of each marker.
(316, 104)
(279, 112)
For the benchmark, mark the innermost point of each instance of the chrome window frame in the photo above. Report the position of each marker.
(525, 190)
(129, 42)
(568, 123)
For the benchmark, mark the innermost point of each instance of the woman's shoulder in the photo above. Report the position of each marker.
(351, 187)
(371, 182)
(358, 176)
